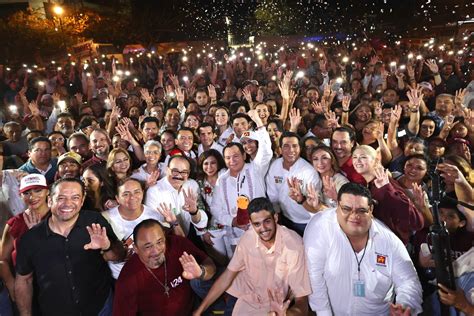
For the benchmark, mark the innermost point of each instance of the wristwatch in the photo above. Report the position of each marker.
(203, 272)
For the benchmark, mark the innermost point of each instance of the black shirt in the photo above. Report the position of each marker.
(70, 280)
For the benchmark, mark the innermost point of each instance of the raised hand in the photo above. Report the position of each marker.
(459, 96)
(166, 211)
(294, 190)
(322, 65)
(116, 112)
(329, 188)
(312, 196)
(191, 269)
(381, 177)
(33, 106)
(292, 97)
(254, 116)
(99, 239)
(451, 172)
(295, 119)
(333, 120)
(410, 71)
(318, 107)
(395, 114)
(418, 196)
(190, 201)
(153, 178)
(346, 102)
(247, 95)
(415, 97)
(124, 132)
(212, 92)
(174, 81)
(145, 94)
(180, 95)
(431, 64)
(379, 131)
(30, 218)
(56, 98)
(278, 305)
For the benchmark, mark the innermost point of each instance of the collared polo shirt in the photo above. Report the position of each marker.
(70, 280)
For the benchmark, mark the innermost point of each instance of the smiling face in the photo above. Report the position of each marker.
(35, 198)
(290, 150)
(206, 135)
(150, 246)
(221, 117)
(99, 144)
(341, 144)
(415, 169)
(262, 111)
(184, 141)
(354, 215)
(66, 202)
(364, 163)
(240, 125)
(363, 113)
(427, 128)
(322, 161)
(121, 164)
(265, 225)
(130, 195)
(152, 154)
(209, 166)
(234, 160)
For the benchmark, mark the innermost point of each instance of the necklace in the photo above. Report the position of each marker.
(165, 285)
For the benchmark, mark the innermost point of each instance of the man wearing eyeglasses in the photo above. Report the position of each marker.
(356, 264)
(180, 194)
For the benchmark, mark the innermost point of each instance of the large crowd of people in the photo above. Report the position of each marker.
(252, 181)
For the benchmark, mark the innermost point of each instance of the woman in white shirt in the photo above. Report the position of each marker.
(224, 130)
(152, 169)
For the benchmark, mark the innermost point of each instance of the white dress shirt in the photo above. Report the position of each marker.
(278, 190)
(386, 269)
(163, 192)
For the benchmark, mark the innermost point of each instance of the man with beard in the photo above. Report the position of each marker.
(342, 142)
(40, 159)
(99, 144)
(269, 261)
(156, 279)
(79, 143)
(172, 120)
(65, 124)
(180, 194)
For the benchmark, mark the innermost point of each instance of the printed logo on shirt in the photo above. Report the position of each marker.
(278, 179)
(381, 260)
(176, 282)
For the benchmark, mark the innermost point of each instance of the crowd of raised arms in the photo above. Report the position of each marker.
(263, 181)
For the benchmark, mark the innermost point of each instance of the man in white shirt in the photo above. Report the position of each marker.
(291, 167)
(207, 138)
(242, 181)
(180, 193)
(356, 264)
(130, 212)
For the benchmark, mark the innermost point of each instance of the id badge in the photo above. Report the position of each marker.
(358, 288)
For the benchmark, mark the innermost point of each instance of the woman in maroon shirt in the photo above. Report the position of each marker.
(34, 192)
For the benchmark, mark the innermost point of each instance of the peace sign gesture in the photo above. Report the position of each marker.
(190, 201)
(295, 190)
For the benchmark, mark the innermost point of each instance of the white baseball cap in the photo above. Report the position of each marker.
(33, 181)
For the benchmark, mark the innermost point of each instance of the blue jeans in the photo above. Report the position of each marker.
(201, 288)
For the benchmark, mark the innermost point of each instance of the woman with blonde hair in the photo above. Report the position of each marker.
(393, 207)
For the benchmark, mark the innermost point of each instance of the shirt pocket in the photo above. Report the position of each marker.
(383, 284)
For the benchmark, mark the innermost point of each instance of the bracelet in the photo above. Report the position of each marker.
(259, 127)
(203, 272)
(194, 213)
(345, 111)
(102, 251)
(174, 224)
(416, 111)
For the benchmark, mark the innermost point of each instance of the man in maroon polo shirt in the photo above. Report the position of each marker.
(156, 279)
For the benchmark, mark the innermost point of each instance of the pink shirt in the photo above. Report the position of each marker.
(283, 266)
